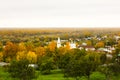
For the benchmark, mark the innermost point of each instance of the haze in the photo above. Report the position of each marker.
(59, 13)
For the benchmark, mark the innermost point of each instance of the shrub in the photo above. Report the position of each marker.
(46, 65)
(21, 70)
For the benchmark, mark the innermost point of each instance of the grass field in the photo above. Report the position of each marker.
(55, 75)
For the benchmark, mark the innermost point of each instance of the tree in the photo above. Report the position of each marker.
(46, 64)
(82, 66)
(89, 43)
(31, 57)
(1, 56)
(99, 44)
(29, 46)
(40, 51)
(64, 60)
(10, 51)
(1, 46)
(21, 47)
(67, 45)
(52, 46)
(21, 55)
(21, 70)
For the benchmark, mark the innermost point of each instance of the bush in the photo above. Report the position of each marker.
(46, 65)
(21, 70)
(97, 76)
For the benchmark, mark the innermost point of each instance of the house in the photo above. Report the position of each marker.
(117, 38)
(4, 64)
(87, 48)
(107, 49)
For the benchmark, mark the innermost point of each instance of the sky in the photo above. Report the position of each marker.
(59, 13)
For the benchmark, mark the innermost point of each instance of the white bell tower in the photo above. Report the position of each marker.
(58, 43)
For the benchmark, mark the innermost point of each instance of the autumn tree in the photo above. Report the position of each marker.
(10, 51)
(89, 43)
(52, 46)
(100, 44)
(21, 47)
(21, 55)
(1, 46)
(67, 46)
(86, 33)
(62, 50)
(29, 46)
(40, 51)
(32, 57)
(1, 56)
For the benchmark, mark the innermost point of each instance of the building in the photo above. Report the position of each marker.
(58, 43)
(72, 45)
(87, 48)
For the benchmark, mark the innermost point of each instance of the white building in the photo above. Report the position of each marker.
(58, 43)
(72, 45)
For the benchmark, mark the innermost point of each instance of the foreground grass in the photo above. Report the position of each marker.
(5, 75)
(55, 75)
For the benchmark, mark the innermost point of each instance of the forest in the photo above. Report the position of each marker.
(33, 54)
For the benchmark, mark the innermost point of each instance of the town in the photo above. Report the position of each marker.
(73, 53)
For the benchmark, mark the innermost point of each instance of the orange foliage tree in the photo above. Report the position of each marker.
(1, 56)
(40, 51)
(10, 51)
(52, 46)
(67, 46)
(21, 47)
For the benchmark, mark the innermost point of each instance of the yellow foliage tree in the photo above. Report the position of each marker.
(32, 57)
(20, 55)
(89, 43)
(100, 44)
(1, 56)
(62, 50)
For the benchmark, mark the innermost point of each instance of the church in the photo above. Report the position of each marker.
(72, 44)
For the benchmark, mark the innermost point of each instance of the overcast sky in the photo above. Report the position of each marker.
(59, 13)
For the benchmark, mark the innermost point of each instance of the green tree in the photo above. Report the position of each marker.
(22, 70)
(82, 66)
(46, 65)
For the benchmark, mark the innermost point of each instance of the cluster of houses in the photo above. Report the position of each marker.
(107, 49)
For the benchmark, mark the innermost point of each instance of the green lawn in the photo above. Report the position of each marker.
(55, 75)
